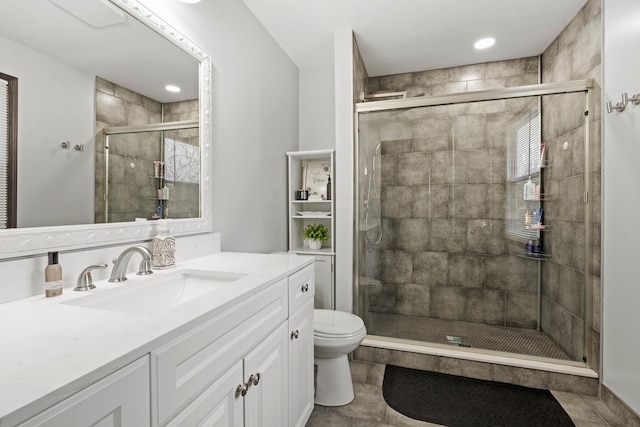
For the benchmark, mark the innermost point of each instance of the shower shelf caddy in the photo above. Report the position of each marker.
(310, 170)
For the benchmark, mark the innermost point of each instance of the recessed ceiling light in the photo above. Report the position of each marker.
(189, 1)
(172, 88)
(485, 43)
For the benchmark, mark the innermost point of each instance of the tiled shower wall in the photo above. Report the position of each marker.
(444, 254)
(573, 55)
(133, 189)
(470, 277)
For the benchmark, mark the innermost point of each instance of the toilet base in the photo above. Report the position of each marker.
(333, 386)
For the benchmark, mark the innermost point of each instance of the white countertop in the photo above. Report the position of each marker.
(49, 350)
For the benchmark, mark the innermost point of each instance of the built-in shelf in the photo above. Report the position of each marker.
(536, 257)
(309, 170)
(307, 251)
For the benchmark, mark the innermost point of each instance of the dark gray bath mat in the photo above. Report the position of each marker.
(466, 402)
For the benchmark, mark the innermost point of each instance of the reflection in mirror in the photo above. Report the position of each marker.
(145, 171)
(8, 147)
(52, 53)
(78, 76)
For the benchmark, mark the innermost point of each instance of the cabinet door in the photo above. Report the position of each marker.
(324, 281)
(266, 403)
(189, 364)
(301, 366)
(218, 406)
(121, 399)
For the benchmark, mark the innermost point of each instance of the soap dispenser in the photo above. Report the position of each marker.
(53, 276)
(163, 247)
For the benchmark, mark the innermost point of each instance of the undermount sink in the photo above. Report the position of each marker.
(155, 295)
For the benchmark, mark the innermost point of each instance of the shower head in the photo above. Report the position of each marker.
(378, 149)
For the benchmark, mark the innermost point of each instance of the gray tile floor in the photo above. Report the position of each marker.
(474, 335)
(369, 408)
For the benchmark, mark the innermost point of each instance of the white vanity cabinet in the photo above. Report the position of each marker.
(120, 399)
(252, 393)
(248, 364)
(301, 293)
(189, 365)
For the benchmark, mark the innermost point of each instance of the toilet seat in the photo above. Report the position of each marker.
(336, 324)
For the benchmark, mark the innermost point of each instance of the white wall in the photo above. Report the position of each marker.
(621, 201)
(326, 121)
(255, 120)
(55, 104)
(317, 108)
(344, 167)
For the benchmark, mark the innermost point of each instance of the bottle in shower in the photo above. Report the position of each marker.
(329, 188)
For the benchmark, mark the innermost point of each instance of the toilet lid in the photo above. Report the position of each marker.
(332, 322)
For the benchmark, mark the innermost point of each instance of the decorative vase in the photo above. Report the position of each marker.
(315, 244)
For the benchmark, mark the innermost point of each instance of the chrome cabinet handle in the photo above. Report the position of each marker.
(305, 287)
(241, 390)
(295, 334)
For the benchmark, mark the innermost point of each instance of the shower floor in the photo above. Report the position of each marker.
(496, 338)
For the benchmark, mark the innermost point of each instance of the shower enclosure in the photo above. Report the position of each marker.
(140, 163)
(451, 251)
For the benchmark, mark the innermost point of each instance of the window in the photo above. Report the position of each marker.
(182, 161)
(8, 149)
(523, 162)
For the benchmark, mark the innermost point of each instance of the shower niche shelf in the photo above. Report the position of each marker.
(536, 257)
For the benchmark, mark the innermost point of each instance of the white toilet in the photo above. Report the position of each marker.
(335, 334)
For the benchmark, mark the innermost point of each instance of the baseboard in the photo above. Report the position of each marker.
(619, 408)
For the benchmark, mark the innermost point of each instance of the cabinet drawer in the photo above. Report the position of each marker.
(186, 366)
(301, 288)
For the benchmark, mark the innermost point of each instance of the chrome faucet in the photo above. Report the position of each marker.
(119, 272)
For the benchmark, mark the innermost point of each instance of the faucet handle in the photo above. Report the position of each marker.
(85, 281)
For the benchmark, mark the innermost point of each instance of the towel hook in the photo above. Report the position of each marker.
(619, 107)
(635, 99)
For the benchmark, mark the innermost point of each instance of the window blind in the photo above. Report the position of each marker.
(523, 162)
(4, 152)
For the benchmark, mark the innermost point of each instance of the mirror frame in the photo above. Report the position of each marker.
(18, 242)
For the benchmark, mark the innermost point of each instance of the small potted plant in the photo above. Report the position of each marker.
(315, 234)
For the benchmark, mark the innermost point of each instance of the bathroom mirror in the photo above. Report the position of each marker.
(166, 51)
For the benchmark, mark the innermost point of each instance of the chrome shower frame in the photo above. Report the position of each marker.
(586, 86)
(120, 130)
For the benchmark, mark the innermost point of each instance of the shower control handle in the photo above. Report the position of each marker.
(305, 287)
(295, 334)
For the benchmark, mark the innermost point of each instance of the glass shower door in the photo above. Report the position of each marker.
(450, 249)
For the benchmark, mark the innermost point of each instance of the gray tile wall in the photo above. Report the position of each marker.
(441, 256)
(573, 55)
(133, 190)
(360, 78)
(444, 254)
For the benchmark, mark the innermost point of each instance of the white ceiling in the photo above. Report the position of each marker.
(397, 36)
